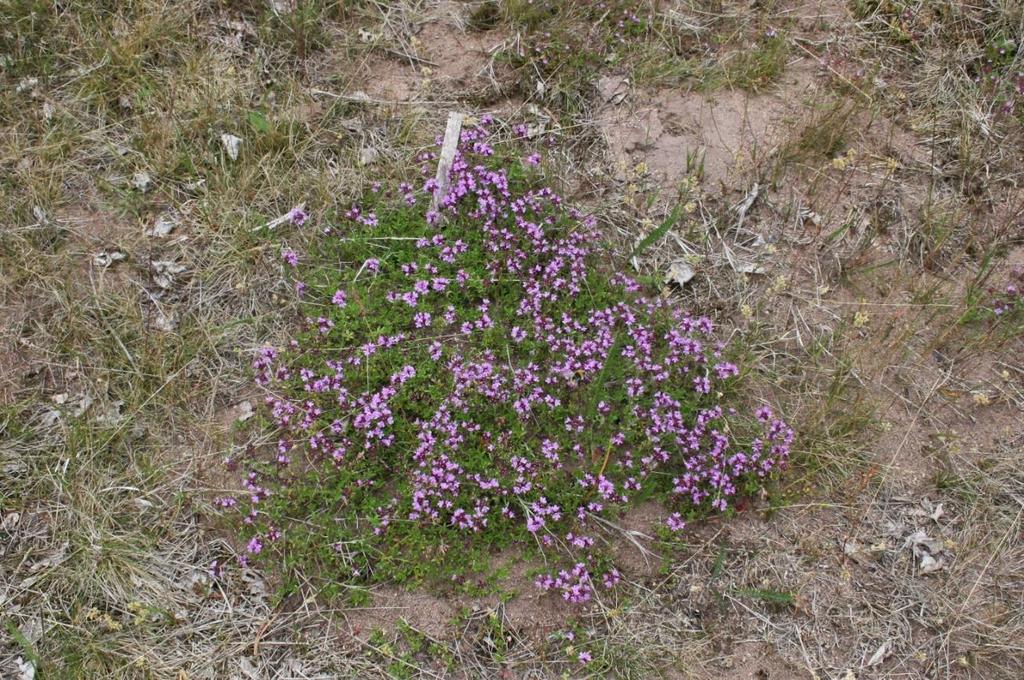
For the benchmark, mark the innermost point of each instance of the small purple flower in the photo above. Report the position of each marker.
(290, 257)
(339, 298)
(675, 522)
(585, 657)
(324, 325)
(298, 216)
(726, 370)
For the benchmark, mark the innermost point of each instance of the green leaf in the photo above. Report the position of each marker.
(656, 235)
(22, 641)
(259, 122)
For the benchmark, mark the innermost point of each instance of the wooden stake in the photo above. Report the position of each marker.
(444, 163)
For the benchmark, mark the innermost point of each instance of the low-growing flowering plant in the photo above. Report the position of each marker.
(1010, 300)
(999, 75)
(483, 376)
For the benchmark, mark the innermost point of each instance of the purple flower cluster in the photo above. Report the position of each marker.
(529, 390)
(574, 584)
